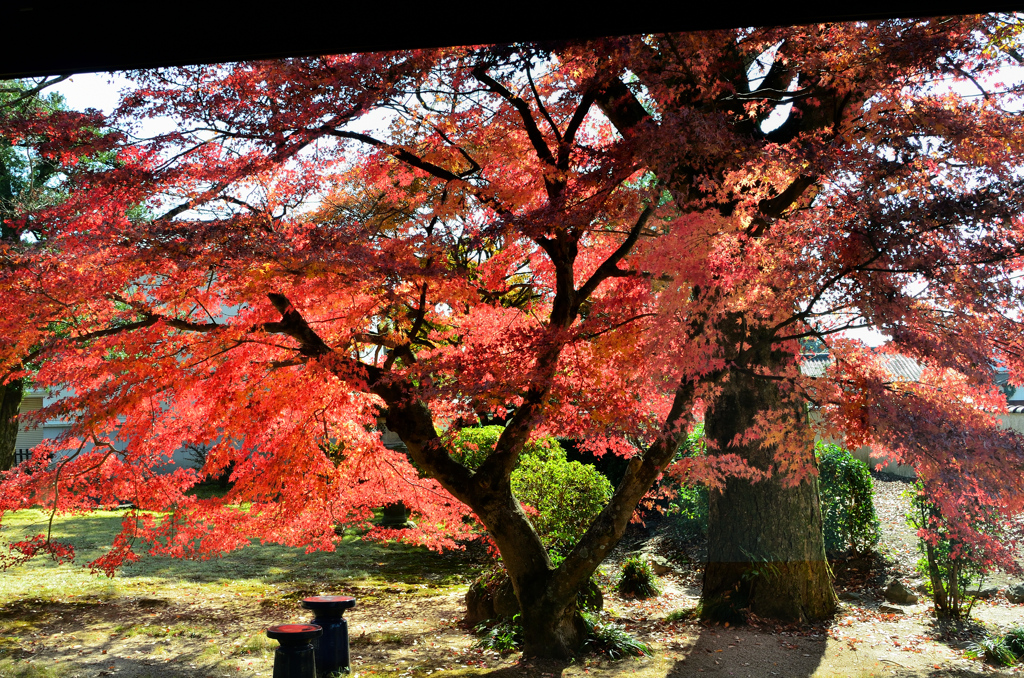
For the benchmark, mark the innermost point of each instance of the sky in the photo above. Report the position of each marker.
(92, 90)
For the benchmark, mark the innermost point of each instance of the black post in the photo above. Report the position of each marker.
(295, 657)
(332, 653)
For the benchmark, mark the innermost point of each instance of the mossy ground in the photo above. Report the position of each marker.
(163, 618)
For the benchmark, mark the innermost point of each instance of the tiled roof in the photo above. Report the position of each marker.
(815, 364)
(900, 367)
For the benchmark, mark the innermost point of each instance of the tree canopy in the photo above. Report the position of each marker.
(586, 239)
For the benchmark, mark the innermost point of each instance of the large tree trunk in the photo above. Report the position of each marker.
(10, 401)
(766, 552)
(551, 623)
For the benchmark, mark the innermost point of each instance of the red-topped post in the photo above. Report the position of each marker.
(295, 657)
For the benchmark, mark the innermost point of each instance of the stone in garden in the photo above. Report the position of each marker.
(890, 609)
(984, 594)
(660, 565)
(851, 596)
(1015, 593)
(396, 516)
(898, 593)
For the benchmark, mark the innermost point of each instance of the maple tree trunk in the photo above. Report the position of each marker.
(552, 626)
(938, 589)
(10, 401)
(766, 551)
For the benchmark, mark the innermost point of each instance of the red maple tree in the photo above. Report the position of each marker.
(602, 241)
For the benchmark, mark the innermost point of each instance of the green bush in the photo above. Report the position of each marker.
(1015, 641)
(638, 578)
(847, 508)
(612, 640)
(565, 495)
(472, 445)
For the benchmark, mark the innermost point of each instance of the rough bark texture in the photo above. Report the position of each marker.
(10, 401)
(766, 552)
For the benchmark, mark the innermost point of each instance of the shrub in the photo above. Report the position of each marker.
(638, 578)
(472, 445)
(563, 496)
(848, 514)
(950, 565)
(567, 496)
(1015, 641)
(612, 640)
(994, 649)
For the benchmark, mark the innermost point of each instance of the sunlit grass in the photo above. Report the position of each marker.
(260, 571)
(11, 668)
(171, 631)
(257, 644)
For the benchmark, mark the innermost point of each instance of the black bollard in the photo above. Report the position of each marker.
(332, 649)
(295, 657)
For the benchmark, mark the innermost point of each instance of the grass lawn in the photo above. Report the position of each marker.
(188, 613)
(165, 618)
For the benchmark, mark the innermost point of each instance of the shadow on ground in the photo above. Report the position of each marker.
(741, 652)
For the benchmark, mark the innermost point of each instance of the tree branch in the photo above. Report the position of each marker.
(609, 268)
(532, 131)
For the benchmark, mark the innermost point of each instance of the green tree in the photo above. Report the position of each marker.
(27, 183)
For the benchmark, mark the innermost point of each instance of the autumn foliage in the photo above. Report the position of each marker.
(582, 240)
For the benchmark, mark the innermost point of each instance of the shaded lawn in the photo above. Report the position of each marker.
(196, 614)
(258, 569)
(167, 618)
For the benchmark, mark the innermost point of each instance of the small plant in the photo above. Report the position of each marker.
(994, 649)
(638, 579)
(1015, 641)
(500, 636)
(848, 513)
(685, 614)
(612, 640)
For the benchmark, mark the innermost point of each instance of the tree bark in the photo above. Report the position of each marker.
(10, 401)
(766, 552)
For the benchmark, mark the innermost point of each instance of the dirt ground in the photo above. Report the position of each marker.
(409, 627)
